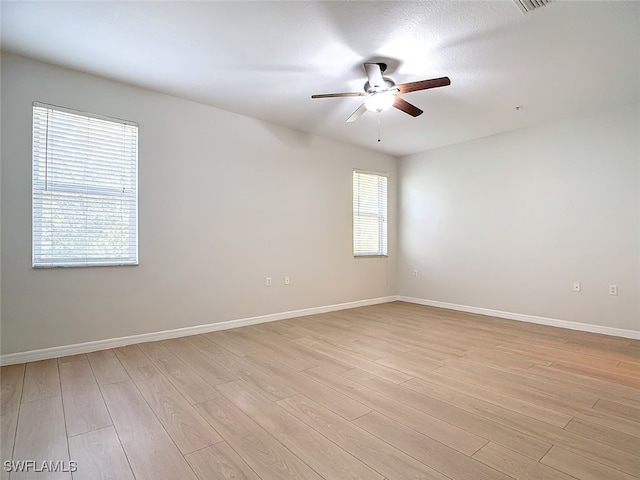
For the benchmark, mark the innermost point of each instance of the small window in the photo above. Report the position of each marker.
(369, 214)
(85, 195)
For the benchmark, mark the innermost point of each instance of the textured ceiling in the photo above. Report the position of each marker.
(265, 59)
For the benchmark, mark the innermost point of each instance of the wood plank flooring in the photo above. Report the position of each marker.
(389, 392)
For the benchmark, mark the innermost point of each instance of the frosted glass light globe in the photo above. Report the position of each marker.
(379, 102)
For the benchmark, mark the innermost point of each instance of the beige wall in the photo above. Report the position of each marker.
(509, 222)
(224, 202)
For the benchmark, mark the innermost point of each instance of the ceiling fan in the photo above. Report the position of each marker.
(382, 93)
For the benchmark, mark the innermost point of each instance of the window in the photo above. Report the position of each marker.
(85, 200)
(369, 214)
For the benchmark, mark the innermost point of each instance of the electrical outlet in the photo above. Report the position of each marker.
(576, 286)
(287, 280)
(415, 273)
(268, 281)
(613, 290)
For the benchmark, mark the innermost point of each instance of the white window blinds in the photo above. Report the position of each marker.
(369, 214)
(85, 196)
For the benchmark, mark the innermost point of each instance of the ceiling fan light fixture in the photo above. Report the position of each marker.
(379, 102)
(382, 93)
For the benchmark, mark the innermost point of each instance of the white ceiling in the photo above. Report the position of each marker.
(265, 59)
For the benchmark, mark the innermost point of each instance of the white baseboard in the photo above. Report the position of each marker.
(86, 347)
(585, 327)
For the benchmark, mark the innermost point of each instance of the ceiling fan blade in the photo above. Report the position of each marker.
(334, 95)
(406, 107)
(357, 114)
(424, 84)
(374, 75)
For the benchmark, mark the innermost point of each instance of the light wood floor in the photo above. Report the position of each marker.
(394, 391)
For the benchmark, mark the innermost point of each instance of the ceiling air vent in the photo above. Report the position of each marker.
(527, 6)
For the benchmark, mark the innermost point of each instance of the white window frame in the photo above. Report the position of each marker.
(84, 189)
(370, 202)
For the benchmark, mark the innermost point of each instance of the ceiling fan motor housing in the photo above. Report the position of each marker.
(388, 83)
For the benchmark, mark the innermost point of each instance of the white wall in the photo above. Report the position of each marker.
(509, 222)
(506, 222)
(224, 202)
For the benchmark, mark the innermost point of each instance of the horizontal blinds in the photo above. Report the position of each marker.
(85, 199)
(369, 214)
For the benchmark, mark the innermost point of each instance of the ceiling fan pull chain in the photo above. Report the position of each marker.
(379, 114)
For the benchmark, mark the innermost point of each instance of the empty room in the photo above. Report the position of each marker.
(278, 240)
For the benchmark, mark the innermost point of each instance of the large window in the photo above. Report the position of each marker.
(369, 214)
(85, 195)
